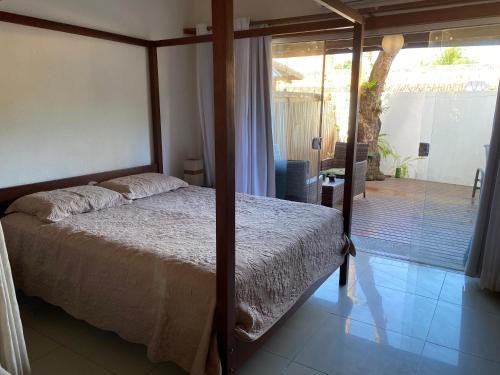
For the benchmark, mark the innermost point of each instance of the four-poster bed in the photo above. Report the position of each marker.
(232, 351)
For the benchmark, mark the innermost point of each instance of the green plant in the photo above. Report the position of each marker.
(403, 165)
(368, 87)
(384, 147)
(453, 56)
(343, 65)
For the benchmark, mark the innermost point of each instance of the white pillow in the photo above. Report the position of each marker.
(144, 185)
(56, 205)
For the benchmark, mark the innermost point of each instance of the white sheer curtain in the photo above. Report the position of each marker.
(253, 123)
(205, 81)
(484, 258)
(13, 356)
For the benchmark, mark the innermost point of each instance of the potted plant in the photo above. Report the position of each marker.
(402, 165)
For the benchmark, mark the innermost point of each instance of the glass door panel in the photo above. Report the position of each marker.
(297, 88)
(436, 118)
(461, 103)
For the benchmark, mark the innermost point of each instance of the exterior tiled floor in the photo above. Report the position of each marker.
(420, 221)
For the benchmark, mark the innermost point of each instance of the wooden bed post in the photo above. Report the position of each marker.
(154, 89)
(223, 60)
(352, 138)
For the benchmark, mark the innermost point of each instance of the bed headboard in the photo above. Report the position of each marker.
(10, 194)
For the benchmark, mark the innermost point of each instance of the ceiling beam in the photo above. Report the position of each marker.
(367, 12)
(423, 17)
(342, 10)
(421, 4)
(294, 29)
(326, 26)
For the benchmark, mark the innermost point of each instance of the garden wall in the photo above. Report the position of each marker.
(456, 124)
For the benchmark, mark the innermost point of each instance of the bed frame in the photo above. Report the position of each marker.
(233, 352)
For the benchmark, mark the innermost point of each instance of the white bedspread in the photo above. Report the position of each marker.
(147, 270)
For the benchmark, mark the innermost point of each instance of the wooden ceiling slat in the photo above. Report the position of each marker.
(434, 16)
(374, 10)
(343, 10)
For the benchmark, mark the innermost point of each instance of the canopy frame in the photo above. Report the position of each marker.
(233, 352)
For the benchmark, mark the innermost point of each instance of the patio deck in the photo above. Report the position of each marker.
(425, 222)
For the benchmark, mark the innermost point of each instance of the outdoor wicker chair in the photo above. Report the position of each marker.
(293, 182)
(360, 167)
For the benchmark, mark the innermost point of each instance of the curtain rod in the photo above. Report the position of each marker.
(284, 30)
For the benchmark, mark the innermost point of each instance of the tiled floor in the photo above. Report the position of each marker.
(394, 318)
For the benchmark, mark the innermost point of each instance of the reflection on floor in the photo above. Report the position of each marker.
(425, 222)
(394, 318)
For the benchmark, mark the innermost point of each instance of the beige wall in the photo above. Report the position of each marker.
(71, 105)
(145, 19)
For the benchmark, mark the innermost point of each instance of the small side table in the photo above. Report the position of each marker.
(193, 172)
(332, 192)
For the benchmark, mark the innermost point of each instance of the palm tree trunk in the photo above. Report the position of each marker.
(370, 109)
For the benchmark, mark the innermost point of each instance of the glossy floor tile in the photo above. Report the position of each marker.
(438, 360)
(468, 330)
(343, 346)
(265, 363)
(387, 308)
(462, 290)
(54, 323)
(296, 369)
(295, 333)
(405, 277)
(38, 345)
(167, 369)
(64, 361)
(109, 351)
(393, 317)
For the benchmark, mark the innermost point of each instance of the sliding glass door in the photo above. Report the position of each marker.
(298, 70)
(459, 100)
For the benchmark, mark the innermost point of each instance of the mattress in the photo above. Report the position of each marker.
(147, 270)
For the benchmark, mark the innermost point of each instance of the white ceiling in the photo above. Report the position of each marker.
(151, 19)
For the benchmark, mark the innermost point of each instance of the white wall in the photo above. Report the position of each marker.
(179, 108)
(67, 113)
(457, 126)
(403, 121)
(462, 126)
(72, 105)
